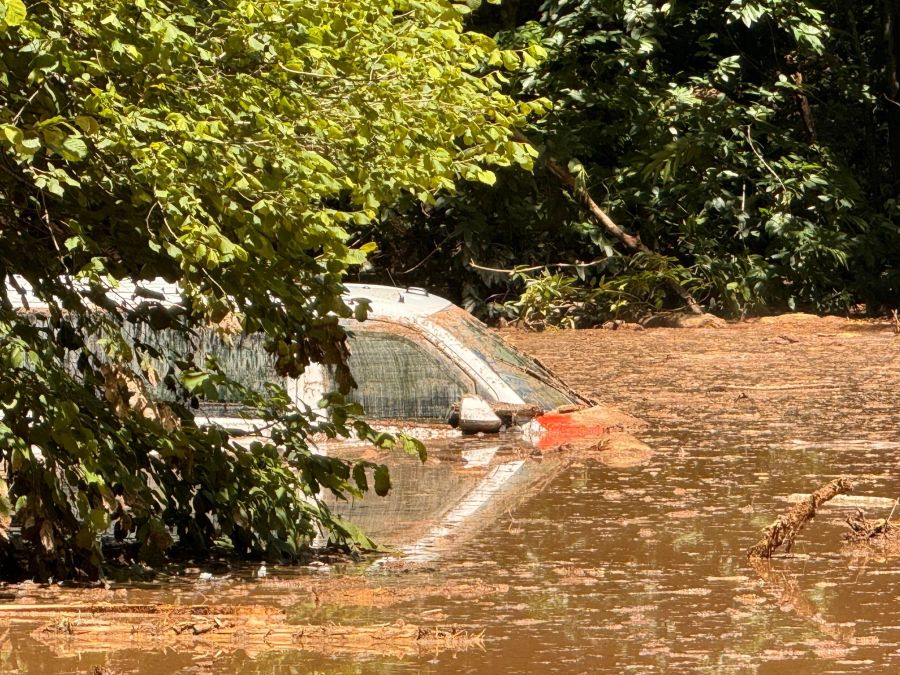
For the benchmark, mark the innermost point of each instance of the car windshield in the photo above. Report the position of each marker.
(399, 377)
(529, 379)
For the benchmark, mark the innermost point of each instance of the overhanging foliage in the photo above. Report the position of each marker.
(227, 146)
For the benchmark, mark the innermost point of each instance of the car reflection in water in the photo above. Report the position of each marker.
(465, 484)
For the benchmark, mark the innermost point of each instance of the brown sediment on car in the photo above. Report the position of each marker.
(603, 418)
(597, 431)
(616, 450)
(611, 417)
(83, 627)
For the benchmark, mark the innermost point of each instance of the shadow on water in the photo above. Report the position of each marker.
(571, 565)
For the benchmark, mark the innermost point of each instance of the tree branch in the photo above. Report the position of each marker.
(632, 242)
(533, 268)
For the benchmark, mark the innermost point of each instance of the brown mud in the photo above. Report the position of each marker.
(740, 417)
(82, 627)
(290, 590)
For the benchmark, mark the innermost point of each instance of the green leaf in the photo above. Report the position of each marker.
(74, 149)
(361, 310)
(510, 60)
(487, 177)
(87, 124)
(359, 476)
(382, 480)
(194, 380)
(55, 187)
(414, 446)
(355, 534)
(99, 520)
(15, 13)
(29, 146)
(12, 134)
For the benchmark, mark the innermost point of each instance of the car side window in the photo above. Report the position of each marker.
(401, 378)
(243, 356)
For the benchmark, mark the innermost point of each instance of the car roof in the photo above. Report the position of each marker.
(125, 293)
(396, 303)
(385, 301)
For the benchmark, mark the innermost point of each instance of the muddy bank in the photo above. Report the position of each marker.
(286, 587)
(233, 621)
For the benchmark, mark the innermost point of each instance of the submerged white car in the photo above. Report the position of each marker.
(420, 360)
(422, 365)
(428, 368)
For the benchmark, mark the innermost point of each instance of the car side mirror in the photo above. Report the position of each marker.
(476, 416)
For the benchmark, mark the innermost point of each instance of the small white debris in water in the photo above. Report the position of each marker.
(205, 576)
(261, 572)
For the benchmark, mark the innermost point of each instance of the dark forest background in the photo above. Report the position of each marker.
(752, 146)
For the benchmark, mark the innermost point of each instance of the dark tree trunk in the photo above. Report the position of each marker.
(809, 123)
(891, 19)
(630, 241)
(873, 160)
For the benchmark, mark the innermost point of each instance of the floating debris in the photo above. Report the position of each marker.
(848, 501)
(786, 527)
(881, 535)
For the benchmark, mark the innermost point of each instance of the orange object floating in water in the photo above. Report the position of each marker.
(564, 429)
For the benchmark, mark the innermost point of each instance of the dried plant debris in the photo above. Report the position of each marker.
(881, 535)
(331, 591)
(786, 527)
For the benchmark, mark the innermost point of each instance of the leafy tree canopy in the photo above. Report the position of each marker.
(754, 145)
(231, 147)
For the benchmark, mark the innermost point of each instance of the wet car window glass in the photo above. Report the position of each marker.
(242, 356)
(529, 379)
(245, 359)
(401, 379)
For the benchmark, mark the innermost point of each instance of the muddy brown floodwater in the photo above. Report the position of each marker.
(576, 564)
